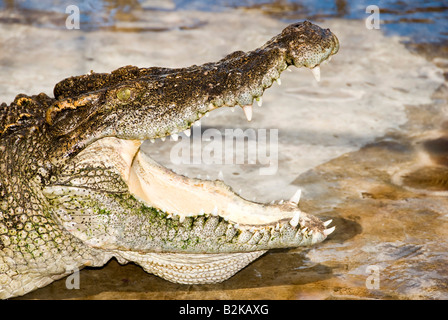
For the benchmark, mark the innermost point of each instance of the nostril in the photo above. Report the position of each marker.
(336, 45)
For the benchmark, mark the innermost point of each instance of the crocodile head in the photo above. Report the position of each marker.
(110, 199)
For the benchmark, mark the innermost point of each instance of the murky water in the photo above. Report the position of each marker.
(368, 145)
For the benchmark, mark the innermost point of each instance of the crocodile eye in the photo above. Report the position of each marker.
(124, 94)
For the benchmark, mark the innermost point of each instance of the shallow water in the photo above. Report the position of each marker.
(367, 145)
(423, 21)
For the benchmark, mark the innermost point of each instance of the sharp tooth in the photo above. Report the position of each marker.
(295, 220)
(163, 138)
(326, 223)
(175, 136)
(206, 115)
(289, 69)
(220, 176)
(280, 202)
(259, 101)
(296, 197)
(201, 212)
(187, 132)
(208, 177)
(272, 202)
(152, 140)
(328, 231)
(248, 112)
(215, 211)
(197, 123)
(279, 82)
(232, 109)
(316, 73)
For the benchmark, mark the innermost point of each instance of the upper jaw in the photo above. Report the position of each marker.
(172, 100)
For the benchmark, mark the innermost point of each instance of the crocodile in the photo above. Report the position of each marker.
(76, 190)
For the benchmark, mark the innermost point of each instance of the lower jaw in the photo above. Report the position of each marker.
(178, 195)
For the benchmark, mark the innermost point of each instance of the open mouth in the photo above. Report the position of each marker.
(114, 197)
(181, 197)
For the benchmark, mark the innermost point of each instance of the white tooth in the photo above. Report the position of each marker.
(163, 138)
(232, 109)
(208, 177)
(295, 220)
(329, 58)
(248, 111)
(272, 202)
(181, 219)
(215, 211)
(326, 223)
(206, 115)
(328, 231)
(259, 101)
(201, 212)
(279, 82)
(198, 176)
(175, 136)
(280, 202)
(197, 123)
(220, 176)
(296, 197)
(316, 73)
(289, 69)
(152, 140)
(187, 132)
(277, 226)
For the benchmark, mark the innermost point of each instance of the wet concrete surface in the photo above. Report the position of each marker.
(368, 146)
(398, 233)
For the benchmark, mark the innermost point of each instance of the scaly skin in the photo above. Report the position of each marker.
(67, 164)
